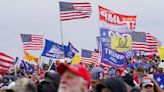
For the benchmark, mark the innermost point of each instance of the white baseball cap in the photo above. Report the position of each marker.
(147, 82)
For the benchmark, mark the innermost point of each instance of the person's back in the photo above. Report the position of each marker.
(46, 86)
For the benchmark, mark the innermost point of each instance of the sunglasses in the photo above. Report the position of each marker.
(148, 86)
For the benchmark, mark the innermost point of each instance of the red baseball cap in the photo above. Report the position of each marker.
(77, 69)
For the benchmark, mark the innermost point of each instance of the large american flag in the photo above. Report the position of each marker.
(32, 42)
(71, 10)
(142, 41)
(5, 62)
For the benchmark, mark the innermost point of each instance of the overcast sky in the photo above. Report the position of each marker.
(42, 17)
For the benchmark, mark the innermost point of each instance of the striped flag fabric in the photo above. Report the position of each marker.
(32, 42)
(5, 62)
(74, 10)
(142, 41)
(90, 57)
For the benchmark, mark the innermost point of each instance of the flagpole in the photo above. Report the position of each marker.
(50, 65)
(100, 45)
(61, 32)
(15, 66)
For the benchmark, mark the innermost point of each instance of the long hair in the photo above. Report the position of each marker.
(156, 86)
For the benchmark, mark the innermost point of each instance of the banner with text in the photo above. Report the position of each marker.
(111, 17)
(103, 41)
(112, 57)
(53, 50)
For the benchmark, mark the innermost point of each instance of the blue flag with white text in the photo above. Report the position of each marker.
(112, 57)
(53, 50)
(70, 51)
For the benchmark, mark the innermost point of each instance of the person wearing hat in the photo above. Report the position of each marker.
(50, 82)
(139, 74)
(97, 76)
(113, 84)
(74, 78)
(149, 85)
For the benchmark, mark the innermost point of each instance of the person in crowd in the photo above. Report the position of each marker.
(152, 70)
(118, 73)
(50, 83)
(139, 74)
(25, 85)
(131, 70)
(5, 82)
(128, 80)
(112, 71)
(113, 84)
(74, 78)
(159, 70)
(1, 81)
(97, 76)
(149, 85)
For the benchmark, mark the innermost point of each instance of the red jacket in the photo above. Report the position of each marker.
(136, 78)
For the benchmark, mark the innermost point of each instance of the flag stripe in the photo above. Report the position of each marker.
(74, 18)
(75, 14)
(2, 55)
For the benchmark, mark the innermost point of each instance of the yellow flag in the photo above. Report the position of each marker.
(29, 57)
(76, 59)
(161, 53)
(121, 43)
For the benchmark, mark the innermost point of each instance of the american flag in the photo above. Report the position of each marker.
(142, 41)
(159, 78)
(69, 10)
(32, 42)
(90, 57)
(5, 62)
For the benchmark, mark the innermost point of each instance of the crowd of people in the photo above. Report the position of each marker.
(85, 78)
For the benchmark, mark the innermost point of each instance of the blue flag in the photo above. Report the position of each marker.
(112, 57)
(27, 66)
(16, 61)
(160, 80)
(70, 51)
(53, 50)
(103, 41)
(137, 64)
(104, 32)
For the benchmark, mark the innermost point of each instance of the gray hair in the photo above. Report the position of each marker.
(25, 85)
